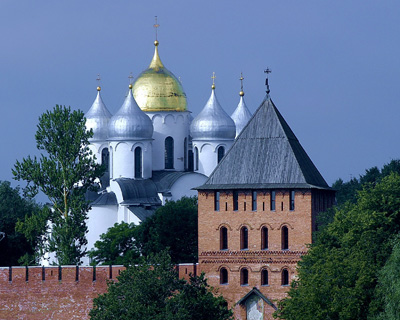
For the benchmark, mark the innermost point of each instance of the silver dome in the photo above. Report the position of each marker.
(130, 122)
(213, 123)
(241, 116)
(97, 119)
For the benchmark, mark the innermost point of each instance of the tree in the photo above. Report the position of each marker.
(14, 207)
(152, 291)
(337, 278)
(116, 246)
(65, 170)
(172, 227)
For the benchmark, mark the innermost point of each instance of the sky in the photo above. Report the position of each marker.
(335, 66)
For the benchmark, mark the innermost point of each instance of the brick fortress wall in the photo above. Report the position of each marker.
(57, 293)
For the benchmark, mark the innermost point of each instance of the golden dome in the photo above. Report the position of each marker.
(157, 89)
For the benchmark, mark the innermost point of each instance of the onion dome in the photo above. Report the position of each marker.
(241, 115)
(157, 89)
(213, 123)
(130, 122)
(98, 118)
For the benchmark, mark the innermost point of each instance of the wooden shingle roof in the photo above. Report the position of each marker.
(266, 154)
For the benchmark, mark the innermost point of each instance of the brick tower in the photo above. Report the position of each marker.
(257, 212)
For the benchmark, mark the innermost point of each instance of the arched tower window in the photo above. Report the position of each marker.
(223, 276)
(285, 238)
(223, 233)
(244, 277)
(244, 238)
(264, 238)
(185, 154)
(285, 277)
(221, 153)
(105, 158)
(196, 159)
(264, 277)
(138, 163)
(111, 162)
(169, 153)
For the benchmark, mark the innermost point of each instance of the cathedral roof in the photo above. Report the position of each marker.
(130, 123)
(157, 88)
(266, 154)
(97, 119)
(241, 115)
(212, 123)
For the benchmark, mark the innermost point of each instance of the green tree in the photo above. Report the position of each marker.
(64, 172)
(337, 278)
(172, 227)
(14, 207)
(116, 246)
(151, 290)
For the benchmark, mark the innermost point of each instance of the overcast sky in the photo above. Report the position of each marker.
(335, 66)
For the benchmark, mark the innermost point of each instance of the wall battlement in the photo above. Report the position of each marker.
(58, 293)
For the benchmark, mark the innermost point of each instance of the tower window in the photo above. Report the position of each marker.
(292, 200)
(196, 159)
(244, 238)
(216, 200)
(235, 200)
(221, 153)
(285, 238)
(264, 277)
(264, 238)
(244, 277)
(169, 153)
(254, 201)
(223, 238)
(138, 163)
(223, 276)
(273, 200)
(105, 158)
(285, 277)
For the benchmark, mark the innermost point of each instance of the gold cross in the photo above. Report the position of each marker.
(156, 25)
(130, 78)
(98, 78)
(241, 81)
(213, 77)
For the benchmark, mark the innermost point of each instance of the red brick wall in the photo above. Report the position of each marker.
(300, 223)
(51, 298)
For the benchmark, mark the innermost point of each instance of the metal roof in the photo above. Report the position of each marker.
(142, 213)
(138, 192)
(258, 293)
(266, 153)
(106, 199)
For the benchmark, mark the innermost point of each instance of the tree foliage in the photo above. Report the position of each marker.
(338, 277)
(15, 249)
(64, 172)
(116, 246)
(172, 227)
(151, 290)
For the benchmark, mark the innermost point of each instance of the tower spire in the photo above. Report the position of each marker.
(213, 80)
(241, 93)
(130, 80)
(98, 81)
(267, 71)
(156, 25)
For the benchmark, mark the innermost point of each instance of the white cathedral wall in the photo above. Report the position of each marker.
(208, 154)
(169, 124)
(183, 186)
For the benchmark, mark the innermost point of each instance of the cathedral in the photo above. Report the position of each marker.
(153, 149)
(259, 194)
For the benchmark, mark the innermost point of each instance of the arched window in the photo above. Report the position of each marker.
(221, 153)
(138, 163)
(169, 153)
(105, 158)
(223, 234)
(185, 154)
(196, 159)
(285, 238)
(223, 276)
(244, 277)
(111, 162)
(264, 277)
(285, 277)
(264, 238)
(244, 238)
